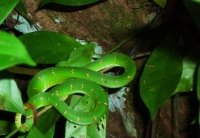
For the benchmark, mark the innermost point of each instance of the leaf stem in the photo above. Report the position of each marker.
(15, 131)
(121, 43)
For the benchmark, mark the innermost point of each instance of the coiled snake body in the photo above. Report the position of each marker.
(86, 80)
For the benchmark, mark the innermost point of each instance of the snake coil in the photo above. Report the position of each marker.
(86, 80)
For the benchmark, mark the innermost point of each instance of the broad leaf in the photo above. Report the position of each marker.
(68, 2)
(97, 130)
(193, 7)
(20, 7)
(35, 133)
(85, 104)
(161, 74)
(6, 127)
(161, 3)
(188, 79)
(6, 6)
(12, 52)
(47, 47)
(50, 133)
(22, 135)
(26, 25)
(10, 97)
(79, 57)
(198, 90)
(83, 56)
(49, 118)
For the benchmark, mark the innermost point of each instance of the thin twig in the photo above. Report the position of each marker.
(176, 114)
(139, 56)
(143, 32)
(110, 135)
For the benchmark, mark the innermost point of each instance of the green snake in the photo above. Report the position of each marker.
(85, 81)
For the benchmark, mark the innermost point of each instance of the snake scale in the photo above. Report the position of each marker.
(85, 80)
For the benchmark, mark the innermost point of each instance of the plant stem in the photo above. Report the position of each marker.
(15, 131)
(120, 44)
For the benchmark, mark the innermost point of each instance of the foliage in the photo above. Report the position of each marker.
(164, 64)
(6, 7)
(170, 73)
(161, 3)
(10, 45)
(165, 73)
(198, 90)
(188, 79)
(193, 8)
(164, 67)
(41, 52)
(46, 42)
(69, 2)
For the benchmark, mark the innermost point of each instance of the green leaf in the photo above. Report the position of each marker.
(68, 2)
(49, 118)
(82, 103)
(47, 47)
(50, 133)
(22, 135)
(20, 7)
(188, 78)
(161, 3)
(10, 98)
(12, 51)
(6, 6)
(161, 74)
(193, 7)
(79, 57)
(6, 127)
(94, 130)
(85, 104)
(35, 133)
(198, 90)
